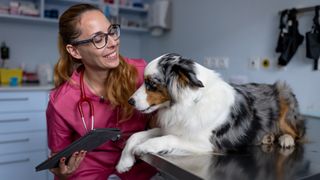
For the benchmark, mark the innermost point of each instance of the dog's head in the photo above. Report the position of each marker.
(164, 79)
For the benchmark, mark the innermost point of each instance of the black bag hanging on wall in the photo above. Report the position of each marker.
(290, 39)
(283, 29)
(313, 40)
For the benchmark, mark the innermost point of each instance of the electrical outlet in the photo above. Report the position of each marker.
(215, 63)
(223, 62)
(208, 62)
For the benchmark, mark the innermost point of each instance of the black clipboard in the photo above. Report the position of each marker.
(88, 142)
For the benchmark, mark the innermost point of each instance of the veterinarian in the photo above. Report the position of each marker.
(92, 79)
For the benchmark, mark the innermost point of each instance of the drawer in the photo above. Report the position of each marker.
(23, 101)
(22, 142)
(26, 121)
(22, 166)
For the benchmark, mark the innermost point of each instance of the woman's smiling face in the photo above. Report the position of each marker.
(92, 23)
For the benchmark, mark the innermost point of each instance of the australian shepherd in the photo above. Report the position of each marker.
(198, 112)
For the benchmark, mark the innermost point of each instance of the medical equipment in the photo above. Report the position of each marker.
(85, 99)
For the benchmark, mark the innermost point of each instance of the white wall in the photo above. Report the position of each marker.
(236, 29)
(240, 30)
(30, 42)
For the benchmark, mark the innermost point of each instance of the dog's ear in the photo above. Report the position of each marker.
(185, 73)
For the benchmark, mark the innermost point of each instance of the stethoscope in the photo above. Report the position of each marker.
(85, 99)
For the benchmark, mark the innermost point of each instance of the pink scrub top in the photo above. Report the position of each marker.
(64, 126)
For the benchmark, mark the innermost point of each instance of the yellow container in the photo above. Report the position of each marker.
(7, 74)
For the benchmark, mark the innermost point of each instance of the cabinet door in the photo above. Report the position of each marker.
(21, 122)
(22, 166)
(23, 101)
(23, 142)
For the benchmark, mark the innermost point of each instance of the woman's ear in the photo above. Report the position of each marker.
(73, 51)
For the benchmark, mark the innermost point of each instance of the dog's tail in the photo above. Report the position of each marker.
(290, 121)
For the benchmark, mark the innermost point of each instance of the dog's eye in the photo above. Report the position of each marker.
(150, 86)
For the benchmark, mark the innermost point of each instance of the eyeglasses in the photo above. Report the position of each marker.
(100, 40)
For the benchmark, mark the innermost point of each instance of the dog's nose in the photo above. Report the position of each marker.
(132, 101)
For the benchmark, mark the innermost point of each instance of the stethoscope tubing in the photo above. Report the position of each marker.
(85, 99)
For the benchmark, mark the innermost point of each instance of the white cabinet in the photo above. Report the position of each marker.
(42, 6)
(61, 5)
(21, 166)
(23, 137)
(130, 18)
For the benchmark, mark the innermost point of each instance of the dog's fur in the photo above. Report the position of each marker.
(198, 112)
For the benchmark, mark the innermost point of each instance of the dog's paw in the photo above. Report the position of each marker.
(125, 164)
(286, 141)
(268, 139)
(151, 146)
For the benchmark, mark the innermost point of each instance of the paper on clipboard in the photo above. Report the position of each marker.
(88, 142)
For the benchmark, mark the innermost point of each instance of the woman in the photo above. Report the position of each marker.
(90, 64)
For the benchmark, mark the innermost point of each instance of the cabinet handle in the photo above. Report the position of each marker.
(15, 161)
(13, 120)
(15, 141)
(14, 99)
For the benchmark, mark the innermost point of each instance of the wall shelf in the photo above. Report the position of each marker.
(135, 29)
(132, 9)
(97, 2)
(130, 18)
(140, 14)
(27, 18)
(127, 8)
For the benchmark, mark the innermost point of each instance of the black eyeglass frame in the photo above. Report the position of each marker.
(90, 40)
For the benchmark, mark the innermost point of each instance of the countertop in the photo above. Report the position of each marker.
(258, 163)
(31, 87)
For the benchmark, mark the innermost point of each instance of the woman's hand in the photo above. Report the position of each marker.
(64, 170)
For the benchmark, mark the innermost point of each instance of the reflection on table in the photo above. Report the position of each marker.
(257, 163)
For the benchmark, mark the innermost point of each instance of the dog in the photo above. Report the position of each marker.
(198, 112)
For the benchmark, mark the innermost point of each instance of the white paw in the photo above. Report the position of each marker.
(286, 141)
(150, 146)
(125, 163)
(268, 139)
